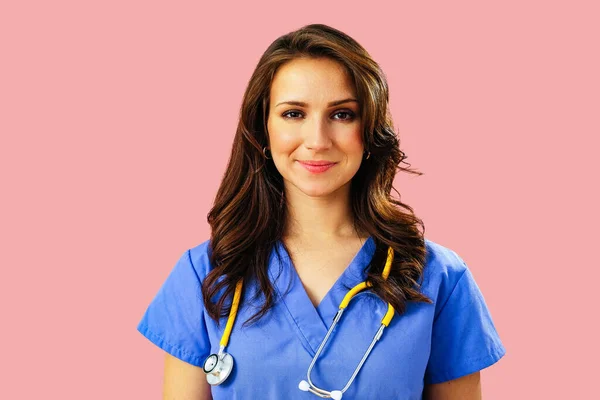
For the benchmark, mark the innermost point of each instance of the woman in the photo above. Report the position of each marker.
(303, 214)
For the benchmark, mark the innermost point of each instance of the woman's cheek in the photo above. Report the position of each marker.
(284, 142)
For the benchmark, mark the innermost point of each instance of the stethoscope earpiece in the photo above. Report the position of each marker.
(336, 395)
(303, 385)
(306, 387)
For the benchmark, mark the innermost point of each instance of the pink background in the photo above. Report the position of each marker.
(116, 121)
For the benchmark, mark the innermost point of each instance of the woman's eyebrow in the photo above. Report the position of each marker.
(331, 104)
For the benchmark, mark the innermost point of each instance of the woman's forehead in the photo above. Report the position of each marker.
(312, 81)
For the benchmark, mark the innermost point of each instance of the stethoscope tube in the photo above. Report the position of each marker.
(308, 385)
(219, 366)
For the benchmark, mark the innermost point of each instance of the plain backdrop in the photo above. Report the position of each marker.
(116, 122)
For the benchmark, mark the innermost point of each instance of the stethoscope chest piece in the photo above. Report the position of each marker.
(217, 368)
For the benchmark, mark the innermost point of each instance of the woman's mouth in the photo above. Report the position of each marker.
(317, 166)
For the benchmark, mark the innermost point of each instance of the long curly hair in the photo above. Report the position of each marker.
(247, 217)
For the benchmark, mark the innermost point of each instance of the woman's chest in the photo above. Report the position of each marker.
(273, 356)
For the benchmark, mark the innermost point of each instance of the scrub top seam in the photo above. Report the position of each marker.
(189, 254)
(449, 296)
(158, 339)
(470, 366)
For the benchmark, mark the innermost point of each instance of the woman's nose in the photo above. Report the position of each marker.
(317, 135)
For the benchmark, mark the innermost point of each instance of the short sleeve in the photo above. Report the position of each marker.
(174, 320)
(464, 338)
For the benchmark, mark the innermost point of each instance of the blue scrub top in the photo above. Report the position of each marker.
(429, 343)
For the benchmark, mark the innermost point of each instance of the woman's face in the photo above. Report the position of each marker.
(314, 117)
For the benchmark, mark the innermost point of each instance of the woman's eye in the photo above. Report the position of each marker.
(346, 115)
(291, 114)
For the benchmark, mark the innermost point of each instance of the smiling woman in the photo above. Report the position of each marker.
(304, 230)
(314, 135)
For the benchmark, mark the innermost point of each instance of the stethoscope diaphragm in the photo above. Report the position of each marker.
(217, 368)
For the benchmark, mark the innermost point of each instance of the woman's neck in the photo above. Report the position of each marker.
(320, 218)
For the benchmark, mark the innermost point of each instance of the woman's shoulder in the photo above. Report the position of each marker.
(199, 258)
(443, 259)
(443, 269)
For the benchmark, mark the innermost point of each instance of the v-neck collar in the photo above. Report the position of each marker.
(313, 322)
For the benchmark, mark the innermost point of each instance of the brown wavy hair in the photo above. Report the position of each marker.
(247, 218)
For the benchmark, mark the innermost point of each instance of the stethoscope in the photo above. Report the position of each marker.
(219, 366)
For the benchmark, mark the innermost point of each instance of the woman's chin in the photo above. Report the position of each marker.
(318, 190)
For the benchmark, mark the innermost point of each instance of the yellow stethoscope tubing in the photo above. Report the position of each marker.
(384, 323)
(363, 285)
(232, 314)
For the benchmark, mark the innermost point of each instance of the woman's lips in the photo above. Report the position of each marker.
(317, 166)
